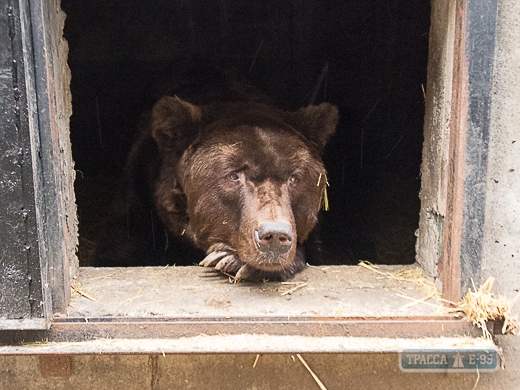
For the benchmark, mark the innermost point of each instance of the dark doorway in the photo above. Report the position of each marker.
(372, 56)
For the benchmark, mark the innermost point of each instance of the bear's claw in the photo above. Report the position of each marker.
(229, 264)
(246, 273)
(213, 258)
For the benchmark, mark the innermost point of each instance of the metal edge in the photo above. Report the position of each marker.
(480, 56)
(135, 329)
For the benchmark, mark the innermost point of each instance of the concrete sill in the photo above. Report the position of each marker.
(193, 309)
(247, 344)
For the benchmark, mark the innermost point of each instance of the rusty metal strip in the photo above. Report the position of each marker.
(248, 319)
(449, 268)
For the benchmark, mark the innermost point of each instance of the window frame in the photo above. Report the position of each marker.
(475, 30)
(45, 268)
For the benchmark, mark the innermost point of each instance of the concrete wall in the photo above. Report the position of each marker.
(501, 249)
(336, 371)
(502, 227)
(502, 211)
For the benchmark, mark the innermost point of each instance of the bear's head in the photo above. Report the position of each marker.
(251, 177)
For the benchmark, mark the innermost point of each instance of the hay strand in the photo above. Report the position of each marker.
(480, 306)
(320, 384)
(478, 378)
(414, 275)
(324, 198)
(256, 360)
(82, 293)
(294, 289)
(321, 268)
(416, 301)
(370, 267)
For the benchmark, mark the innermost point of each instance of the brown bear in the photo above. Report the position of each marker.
(241, 180)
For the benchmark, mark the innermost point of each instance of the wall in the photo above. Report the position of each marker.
(501, 260)
(336, 371)
(502, 227)
(501, 246)
(59, 232)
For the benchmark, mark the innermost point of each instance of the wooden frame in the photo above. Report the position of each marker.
(45, 228)
(34, 233)
(25, 301)
(475, 31)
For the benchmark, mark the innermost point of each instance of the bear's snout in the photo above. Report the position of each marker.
(274, 237)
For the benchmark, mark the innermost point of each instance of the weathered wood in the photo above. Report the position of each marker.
(434, 184)
(21, 276)
(475, 31)
(55, 246)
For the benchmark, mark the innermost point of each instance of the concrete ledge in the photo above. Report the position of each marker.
(247, 344)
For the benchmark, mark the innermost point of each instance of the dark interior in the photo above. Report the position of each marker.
(367, 57)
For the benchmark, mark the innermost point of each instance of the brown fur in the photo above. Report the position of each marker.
(209, 175)
(238, 165)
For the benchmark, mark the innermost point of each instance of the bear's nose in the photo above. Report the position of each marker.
(274, 236)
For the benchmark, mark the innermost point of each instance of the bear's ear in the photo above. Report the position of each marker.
(175, 124)
(316, 123)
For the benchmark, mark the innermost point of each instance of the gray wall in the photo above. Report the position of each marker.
(501, 246)
(501, 251)
(502, 227)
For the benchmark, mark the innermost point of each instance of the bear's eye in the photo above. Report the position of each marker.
(294, 179)
(235, 176)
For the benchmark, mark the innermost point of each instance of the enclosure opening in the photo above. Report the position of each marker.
(372, 57)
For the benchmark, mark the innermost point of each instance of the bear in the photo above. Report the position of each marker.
(237, 179)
